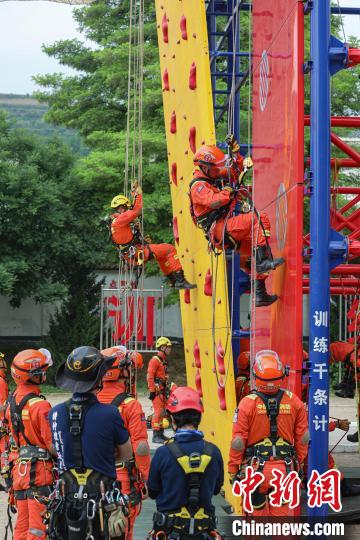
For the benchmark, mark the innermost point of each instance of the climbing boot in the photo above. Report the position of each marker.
(156, 438)
(265, 261)
(262, 298)
(163, 436)
(354, 437)
(178, 280)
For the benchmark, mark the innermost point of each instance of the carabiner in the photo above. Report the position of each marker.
(90, 509)
(22, 474)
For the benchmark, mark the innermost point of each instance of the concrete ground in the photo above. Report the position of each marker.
(347, 459)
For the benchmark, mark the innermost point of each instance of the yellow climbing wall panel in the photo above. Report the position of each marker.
(189, 122)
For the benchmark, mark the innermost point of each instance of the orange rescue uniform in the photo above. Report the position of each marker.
(122, 234)
(134, 420)
(4, 392)
(157, 379)
(252, 425)
(26, 478)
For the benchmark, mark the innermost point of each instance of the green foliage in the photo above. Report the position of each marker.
(46, 231)
(76, 322)
(94, 102)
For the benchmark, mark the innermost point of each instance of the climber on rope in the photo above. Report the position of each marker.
(185, 474)
(119, 390)
(216, 198)
(270, 431)
(125, 233)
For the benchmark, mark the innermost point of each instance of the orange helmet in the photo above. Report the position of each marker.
(137, 360)
(211, 161)
(31, 364)
(268, 371)
(243, 361)
(121, 360)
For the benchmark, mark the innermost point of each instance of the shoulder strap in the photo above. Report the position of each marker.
(76, 414)
(272, 404)
(194, 466)
(16, 415)
(120, 398)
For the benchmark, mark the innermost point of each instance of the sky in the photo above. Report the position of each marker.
(25, 26)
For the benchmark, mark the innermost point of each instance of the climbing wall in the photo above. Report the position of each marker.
(188, 112)
(278, 153)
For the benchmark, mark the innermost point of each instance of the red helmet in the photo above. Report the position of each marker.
(243, 361)
(121, 360)
(211, 161)
(137, 360)
(183, 398)
(29, 364)
(268, 371)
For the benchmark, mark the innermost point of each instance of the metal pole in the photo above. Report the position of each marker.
(162, 311)
(340, 331)
(319, 243)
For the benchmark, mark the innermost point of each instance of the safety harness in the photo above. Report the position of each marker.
(82, 493)
(29, 453)
(272, 447)
(191, 519)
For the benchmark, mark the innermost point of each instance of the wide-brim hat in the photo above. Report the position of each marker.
(82, 380)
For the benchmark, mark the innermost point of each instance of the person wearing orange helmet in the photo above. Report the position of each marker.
(242, 382)
(126, 235)
(119, 390)
(157, 381)
(270, 431)
(214, 205)
(4, 392)
(185, 474)
(26, 416)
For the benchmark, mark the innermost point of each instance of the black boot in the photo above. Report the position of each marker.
(354, 437)
(262, 298)
(265, 261)
(178, 281)
(163, 437)
(156, 438)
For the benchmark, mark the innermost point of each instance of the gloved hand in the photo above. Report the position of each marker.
(230, 189)
(344, 425)
(117, 522)
(248, 163)
(152, 395)
(136, 189)
(232, 143)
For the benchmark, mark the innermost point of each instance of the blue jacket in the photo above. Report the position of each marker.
(167, 481)
(103, 431)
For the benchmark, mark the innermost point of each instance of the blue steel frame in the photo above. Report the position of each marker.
(327, 247)
(221, 45)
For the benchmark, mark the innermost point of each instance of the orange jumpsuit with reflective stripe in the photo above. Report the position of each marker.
(135, 422)
(29, 524)
(252, 425)
(157, 369)
(242, 386)
(165, 254)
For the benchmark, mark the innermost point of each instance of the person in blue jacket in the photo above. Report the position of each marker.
(185, 474)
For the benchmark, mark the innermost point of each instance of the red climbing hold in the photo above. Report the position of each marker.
(220, 353)
(192, 139)
(221, 395)
(174, 173)
(198, 383)
(196, 351)
(192, 76)
(165, 29)
(183, 27)
(166, 80)
(208, 284)
(173, 122)
(176, 230)
(187, 296)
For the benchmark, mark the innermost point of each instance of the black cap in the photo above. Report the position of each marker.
(83, 369)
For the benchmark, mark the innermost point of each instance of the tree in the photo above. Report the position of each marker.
(47, 233)
(94, 101)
